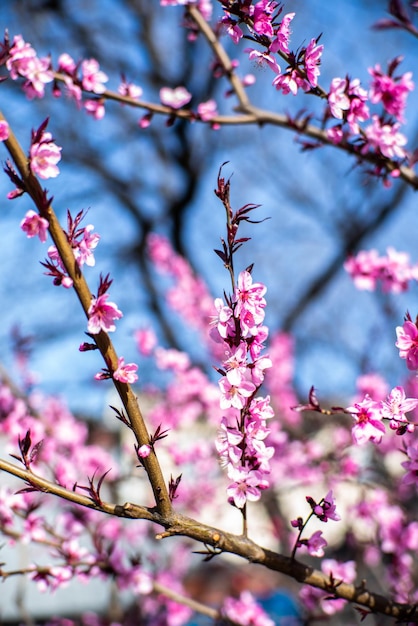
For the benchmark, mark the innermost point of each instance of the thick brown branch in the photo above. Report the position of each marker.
(180, 525)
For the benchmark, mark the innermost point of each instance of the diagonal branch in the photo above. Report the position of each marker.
(180, 525)
(103, 342)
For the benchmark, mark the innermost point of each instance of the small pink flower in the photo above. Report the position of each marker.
(408, 344)
(35, 226)
(92, 78)
(246, 485)
(396, 405)
(316, 544)
(283, 35)
(385, 138)
(146, 341)
(391, 92)
(44, 156)
(326, 509)
(130, 90)
(95, 108)
(83, 252)
(175, 98)
(368, 426)
(145, 450)
(234, 393)
(4, 130)
(125, 373)
(66, 64)
(263, 59)
(207, 110)
(102, 315)
(312, 61)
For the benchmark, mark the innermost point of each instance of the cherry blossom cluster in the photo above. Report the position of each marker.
(392, 272)
(187, 292)
(395, 539)
(347, 100)
(239, 326)
(262, 21)
(83, 243)
(81, 543)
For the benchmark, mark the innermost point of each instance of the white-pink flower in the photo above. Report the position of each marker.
(102, 315)
(84, 250)
(92, 78)
(34, 225)
(396, 405)
(4, 130)
(316, 544)
(125, 372)
(234, 392)
(246, 485)
(368, 425)
(44, 156)
(175, 98)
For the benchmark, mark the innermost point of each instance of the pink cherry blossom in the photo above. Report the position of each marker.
(66, 64)
(367, 416)
(312, 61)
(95, 107)
(396, 405)
(175, 98)
(248, 296)
(34, 225)
(24, 62)
(4, 130)
(92, 78)
(20, 55)
(83, 250)
(407, 343)
(385, 138)
(263, 58)
(316, 544)
(146, 340)
(282, 40)
(44, 156)
(225, 323)
(130, 90)
(232, 28)
(207, 110)
(326, 508)
(234, 393)
(262, 14)
(126, 372)
(102, 315)
(145, 450)
(347, 101)
(227, 443)
(391, 92)
(393, 272)
(246, 485)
